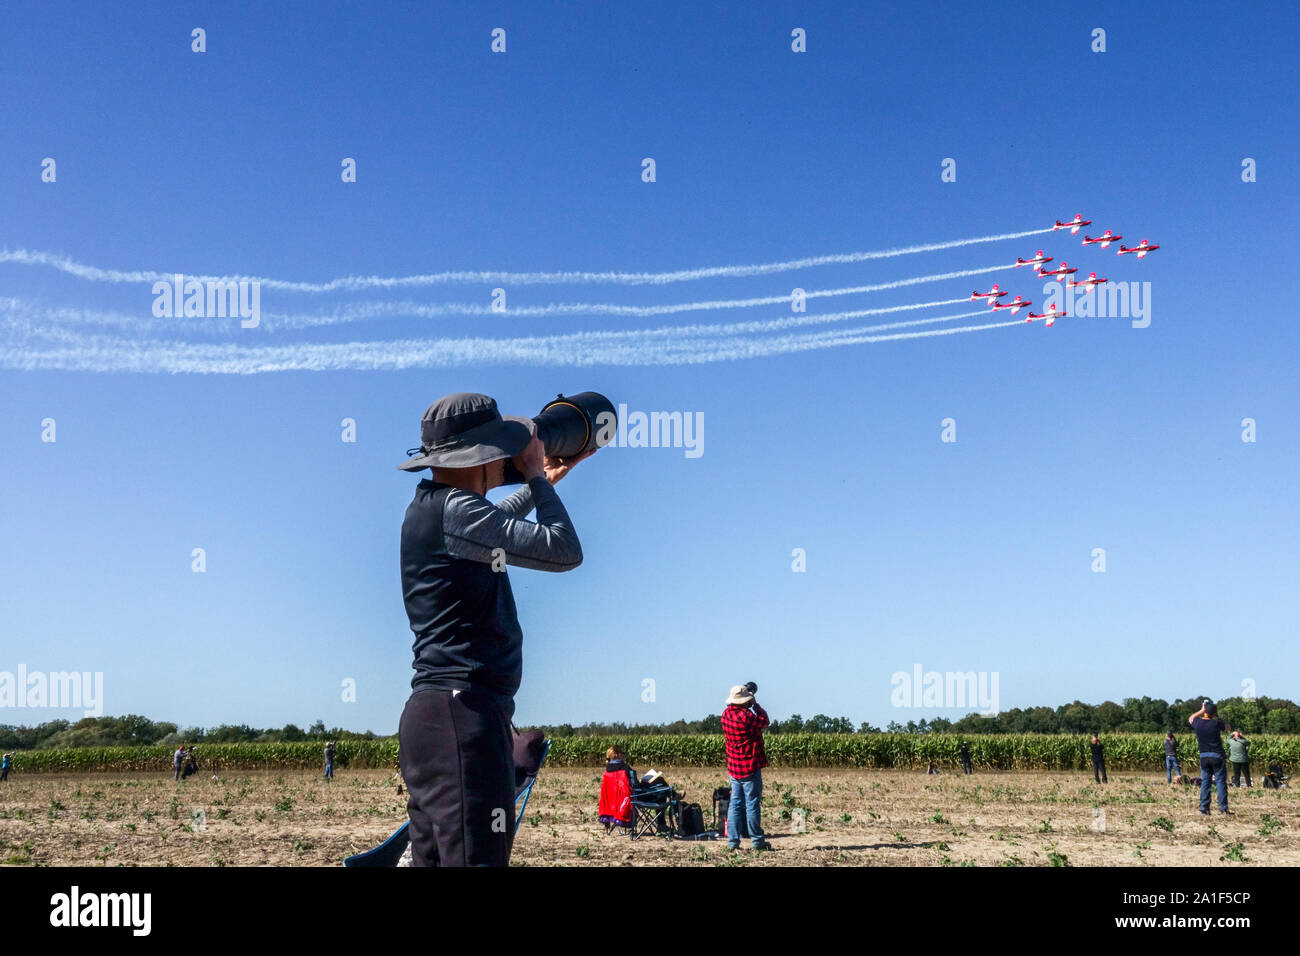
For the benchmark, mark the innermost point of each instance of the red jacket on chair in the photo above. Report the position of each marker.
(616, 794)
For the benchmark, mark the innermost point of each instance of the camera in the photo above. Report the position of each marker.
(751, 688)
(569, 426)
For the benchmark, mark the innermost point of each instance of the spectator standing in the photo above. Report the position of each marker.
(329, 760)
(1098, 760)
(178, 760)
(1239, 754)
(965, 757)
(1171, 758)
(1209, 744)
(743, 721)
(6, 762)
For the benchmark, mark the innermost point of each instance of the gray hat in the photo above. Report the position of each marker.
(465, 430)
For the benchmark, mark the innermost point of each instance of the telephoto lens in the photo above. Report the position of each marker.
(569, 426)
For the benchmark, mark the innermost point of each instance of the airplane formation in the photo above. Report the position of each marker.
(1063, 272)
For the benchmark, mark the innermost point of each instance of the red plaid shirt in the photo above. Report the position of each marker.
(744, 732)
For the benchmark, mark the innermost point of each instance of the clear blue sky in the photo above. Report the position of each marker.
(967, 556)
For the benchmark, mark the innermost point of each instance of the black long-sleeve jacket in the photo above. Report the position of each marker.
(455, 546)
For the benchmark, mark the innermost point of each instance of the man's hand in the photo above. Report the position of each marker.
(557, 468)
(530, 460)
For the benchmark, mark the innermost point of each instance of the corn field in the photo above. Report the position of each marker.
(915, 751)
(903, 751)
(211, 757)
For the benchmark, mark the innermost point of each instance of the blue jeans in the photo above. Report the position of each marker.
(1172, 769)
(1213, 765)
(750, 789)
(329, 769)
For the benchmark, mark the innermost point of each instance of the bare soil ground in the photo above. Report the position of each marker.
(850, 818)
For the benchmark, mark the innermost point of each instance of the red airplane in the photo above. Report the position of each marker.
(991, 296)
(1065, 270)
(1142, 248)
(1051, 315)
(1037, 261)
(1015, 305)
(1074, 225)
(1104, 240)
(1091, 282)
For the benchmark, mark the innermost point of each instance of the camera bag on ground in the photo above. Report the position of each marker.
(690, 821)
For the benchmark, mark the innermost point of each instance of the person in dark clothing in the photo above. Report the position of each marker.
(965, 757)
(329, 760)
(1239, 757)
(1209, 744)
(1098, 760)
(191, 764)
(6, 762)
(1171, 758)
(456, 744)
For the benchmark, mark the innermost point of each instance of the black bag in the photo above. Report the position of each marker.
(721, 806)
(690, 820)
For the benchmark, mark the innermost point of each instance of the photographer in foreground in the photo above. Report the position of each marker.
(455, 732)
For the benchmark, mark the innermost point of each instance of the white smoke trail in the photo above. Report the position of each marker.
(353, 283)
(24, 320)
(376, 310)
(576, 350)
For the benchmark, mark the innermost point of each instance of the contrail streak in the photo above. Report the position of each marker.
(577, 350)
(353, 283)
(375, 310)
(24, 319)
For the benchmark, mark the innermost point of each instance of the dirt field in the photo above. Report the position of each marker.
(853, 818)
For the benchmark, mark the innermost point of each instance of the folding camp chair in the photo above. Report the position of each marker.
(654, 811)
(393, 850)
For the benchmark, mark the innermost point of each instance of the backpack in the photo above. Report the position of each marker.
(721, 806)
(690, 820)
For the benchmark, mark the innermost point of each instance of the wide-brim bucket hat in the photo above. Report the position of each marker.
(466, 430)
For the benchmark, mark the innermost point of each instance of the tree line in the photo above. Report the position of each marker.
(134, 730)
(1251, 715)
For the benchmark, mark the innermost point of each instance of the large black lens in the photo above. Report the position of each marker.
(569, 426)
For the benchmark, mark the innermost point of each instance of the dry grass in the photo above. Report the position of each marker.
(853, 818)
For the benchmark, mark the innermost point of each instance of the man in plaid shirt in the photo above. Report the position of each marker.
(742, 723)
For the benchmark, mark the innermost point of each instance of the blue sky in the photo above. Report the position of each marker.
(965, 556)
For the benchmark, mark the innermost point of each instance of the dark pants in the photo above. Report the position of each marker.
(965, 765)
(1237, 770)
(4, 774)
(1099, 770)
(458, 763)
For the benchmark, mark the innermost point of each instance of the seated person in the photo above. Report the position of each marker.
(933, 769)
(616, 788)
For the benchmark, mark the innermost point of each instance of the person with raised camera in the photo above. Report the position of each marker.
(743, 721)
(1209, 740)
(455, 739)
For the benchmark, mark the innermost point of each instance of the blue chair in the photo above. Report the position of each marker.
(389, 853)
